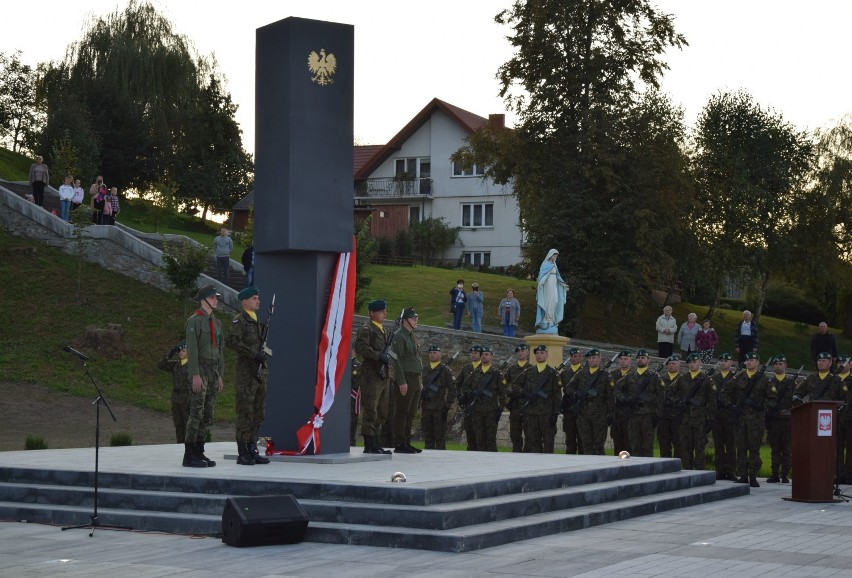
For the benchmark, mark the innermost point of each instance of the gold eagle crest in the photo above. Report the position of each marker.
(322, 66)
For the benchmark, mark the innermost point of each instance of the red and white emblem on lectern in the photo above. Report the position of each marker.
(824, 425)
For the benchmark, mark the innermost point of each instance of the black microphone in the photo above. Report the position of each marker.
(70, 349)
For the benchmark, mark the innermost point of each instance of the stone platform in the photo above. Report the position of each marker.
(452, 501)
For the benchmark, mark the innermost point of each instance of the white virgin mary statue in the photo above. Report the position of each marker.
(550, 295)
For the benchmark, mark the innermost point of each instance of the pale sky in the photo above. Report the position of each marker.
(790, 55)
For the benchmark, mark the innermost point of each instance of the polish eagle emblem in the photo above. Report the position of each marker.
(322, 66)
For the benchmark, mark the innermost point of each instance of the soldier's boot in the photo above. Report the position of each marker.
(784, 478)
(244, 458)
(379, 449)
(411, 447)
(370, 445)
(773, 479)
(199, 447)
(190, 459)
(255, 454)
(752, 480)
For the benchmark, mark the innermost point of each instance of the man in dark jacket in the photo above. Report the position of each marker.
(745, 340)
(824, 341)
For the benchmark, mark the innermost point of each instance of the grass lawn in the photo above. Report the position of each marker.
(14, 166)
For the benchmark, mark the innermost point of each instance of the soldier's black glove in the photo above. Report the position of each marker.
(174, 350)
(552, 420)
(260, 357)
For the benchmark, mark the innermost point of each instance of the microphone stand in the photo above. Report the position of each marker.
(95, 523)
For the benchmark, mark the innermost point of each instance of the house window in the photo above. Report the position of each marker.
(473, 171)
(477, 259)
(413, 168)
(413, 214)
(477, 215)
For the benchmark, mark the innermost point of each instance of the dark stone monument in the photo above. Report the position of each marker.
(302, 210)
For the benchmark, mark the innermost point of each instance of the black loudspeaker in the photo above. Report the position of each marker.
(263, 520)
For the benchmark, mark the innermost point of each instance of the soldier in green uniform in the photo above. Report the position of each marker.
(512, 373)
(750, 393)
(180, 387)
(640, 396)
(844, 420)
(539, 392)
(778, 420)
(618, 430)
(696, 406)
(667, 430)
(406, 392)
(465, 372)
(723, 426)
(205, 353)
(573, 443)
(354, 399)
(370, 346)
(822, 385)
(245, 337)
(593, 405)
(439, 391)
(483, 397)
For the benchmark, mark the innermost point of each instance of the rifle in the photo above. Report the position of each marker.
(688, 400)
(386, 354)
(738, 409)
(482, 391)
(774, 411)
(540, 393)
(564, 407)
(639, 395)
(264, 351)
(432, 387)
(590, 392)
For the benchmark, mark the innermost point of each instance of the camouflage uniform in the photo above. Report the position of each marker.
(640, 395)
(369, 344)
(573, 443)
(620, 417)
(439, 391)
(539, 397)
(844, 438)
(407, 369)
(667, 427)
(354, 403)
(484, 396)
(205, 353)
(593, 391)
(695, 417)
(246, 337)
(180, 394)
(749, 415)
(464, 373)
(818, 387)
(723, 427)
(778, 425)
(516, 418)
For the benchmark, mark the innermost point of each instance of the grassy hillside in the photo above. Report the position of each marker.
(14, 166)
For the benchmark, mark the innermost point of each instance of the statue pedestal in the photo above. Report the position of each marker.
(554, 344)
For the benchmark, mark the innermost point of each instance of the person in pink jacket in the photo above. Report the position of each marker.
(706, 340)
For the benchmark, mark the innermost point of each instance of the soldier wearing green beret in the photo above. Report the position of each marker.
(594, 403)
(778, 416)
(640, 396)
(439, 391)
(696, 406)
(751, 391)
(475, 354)
(407, 384)
(484, 396)
(516, 418)
(621, 414)
(822, 385)
(370, 346)
(180, 387)
(723, 426)
(573, 444)
(245, 337)
(540, 392)
(205, 352)
(667, 430)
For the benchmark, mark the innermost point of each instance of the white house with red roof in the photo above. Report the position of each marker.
(412, 178)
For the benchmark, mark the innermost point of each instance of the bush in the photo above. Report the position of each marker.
(787, 301)
(35, 443)
(121, 439)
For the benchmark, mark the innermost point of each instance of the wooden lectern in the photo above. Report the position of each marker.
(814, 442)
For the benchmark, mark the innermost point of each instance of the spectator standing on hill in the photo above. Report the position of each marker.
(457, 300)
(666, 328)
(77, 199)
(99, 201)
(823, 341)
(222, 247)
(248, 265)
(746, 336)
(687, 334)
(509, 312)
(180, 387)
(474, 307)
(39, 179)
(66, 193)
(706, 342)
(115, 207)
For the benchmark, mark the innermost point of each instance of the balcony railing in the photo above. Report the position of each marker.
(394, 187)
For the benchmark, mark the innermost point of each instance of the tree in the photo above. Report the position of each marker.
(183, 262)
(19, 115)
(432, 237)
(576, 82)
(750, 167)
(365, 249)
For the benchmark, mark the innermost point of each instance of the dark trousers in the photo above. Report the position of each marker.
(723, 444)
(745, 345)
(640, 430)
(778, 435)
(664, 349)
(458, 313)
(516, 431)
(667, 436)
(38, 193)
(573, 443)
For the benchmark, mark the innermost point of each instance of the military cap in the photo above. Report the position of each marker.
(753, 355)
(408, 313)
(823, 355)
(593, 352)
(725, 357)
(693, 356)
(573, 351)
(842, 358)
(434, 348)
(485, 348)
(377, 305)
(674, 357)
(642, 353)
(540, 348)
(249, 291)
(182, 344)
(779, 358)
(626, 353)
(206, 292)
(521, 347)
(476, 348)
